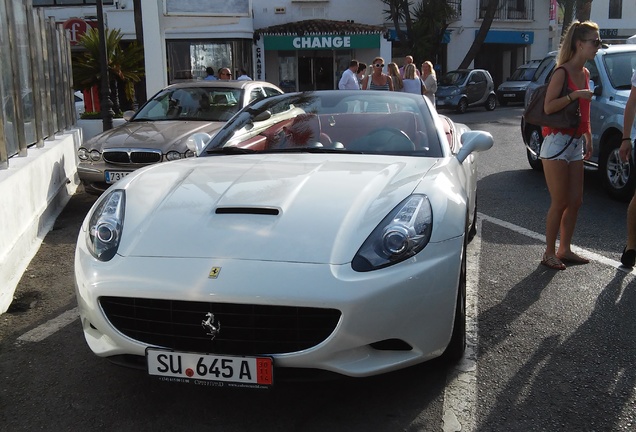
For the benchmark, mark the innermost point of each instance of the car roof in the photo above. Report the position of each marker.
(618, 48)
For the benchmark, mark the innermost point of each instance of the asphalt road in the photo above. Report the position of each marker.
(549, 350)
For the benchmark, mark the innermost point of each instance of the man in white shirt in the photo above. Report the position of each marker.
(244, 76)
(349, 79)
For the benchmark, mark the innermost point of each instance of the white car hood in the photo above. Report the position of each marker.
(315, 208)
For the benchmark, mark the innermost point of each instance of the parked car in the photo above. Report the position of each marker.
(610, 76)
(323, 230)
(463, 88)
(79, 103)
(158, 131)
(514, 88)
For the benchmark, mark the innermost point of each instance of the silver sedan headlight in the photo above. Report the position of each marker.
(105, 226)
(82, 153)
(173, 155)
(403, 233)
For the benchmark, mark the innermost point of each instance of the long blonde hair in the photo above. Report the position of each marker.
(578, 31)
(430, 65)
(394, 73)
(409, 71)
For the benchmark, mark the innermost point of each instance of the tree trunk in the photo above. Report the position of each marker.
(140, 87)
(568, 13)
(491, 10)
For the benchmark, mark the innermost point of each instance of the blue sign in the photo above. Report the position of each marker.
(509, 37)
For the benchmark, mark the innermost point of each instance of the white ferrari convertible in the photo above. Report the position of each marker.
(322, 230)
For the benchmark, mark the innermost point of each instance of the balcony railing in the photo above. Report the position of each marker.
(509, 10)
(457, 6)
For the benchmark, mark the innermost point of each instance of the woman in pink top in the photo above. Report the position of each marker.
(563, 150)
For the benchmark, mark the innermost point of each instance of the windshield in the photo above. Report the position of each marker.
(620, 67)
(523, 74)
(192, 103)
(335, 121)
(454, 78)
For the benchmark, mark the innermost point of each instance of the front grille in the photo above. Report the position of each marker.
(127, 156)
(245, 329)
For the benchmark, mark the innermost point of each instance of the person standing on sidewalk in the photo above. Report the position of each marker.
(349, 79)
(628, 258)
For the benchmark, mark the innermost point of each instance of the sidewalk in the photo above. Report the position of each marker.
(47, 288)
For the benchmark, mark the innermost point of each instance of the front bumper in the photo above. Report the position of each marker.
(412, 302)
(511, 96)
(447, 101)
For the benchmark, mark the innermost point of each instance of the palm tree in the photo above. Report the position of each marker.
(124, 65)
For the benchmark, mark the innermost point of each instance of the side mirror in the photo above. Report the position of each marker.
(474, 141)
(598, 90)
(128, 115)
(196, 142)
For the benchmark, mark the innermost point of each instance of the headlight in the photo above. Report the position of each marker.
(95, 155)
(173, 155)
(455, 92)
(403, 233)
(105, 226)
(82, 153)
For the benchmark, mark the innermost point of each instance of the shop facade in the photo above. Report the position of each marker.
(313, 54)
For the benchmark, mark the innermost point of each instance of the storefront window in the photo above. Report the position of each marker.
(287, 71)
(188, 60)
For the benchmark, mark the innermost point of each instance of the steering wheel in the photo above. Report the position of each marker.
(384, 139)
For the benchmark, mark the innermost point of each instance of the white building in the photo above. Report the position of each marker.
(184, 37)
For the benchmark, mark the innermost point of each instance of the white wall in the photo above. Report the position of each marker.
(34, 191)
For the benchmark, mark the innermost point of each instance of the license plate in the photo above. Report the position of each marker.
(210, 369)
(113, 176)
(509, 95)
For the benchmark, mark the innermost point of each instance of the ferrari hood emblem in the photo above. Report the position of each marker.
(214, 272)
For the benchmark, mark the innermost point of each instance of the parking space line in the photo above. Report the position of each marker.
(45, 330)
(460, 393)
(588, 254)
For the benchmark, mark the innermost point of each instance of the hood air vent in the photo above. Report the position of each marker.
(248, 210)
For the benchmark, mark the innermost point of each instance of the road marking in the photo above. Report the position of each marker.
(460, 393)
(590, 255)
(45, 330)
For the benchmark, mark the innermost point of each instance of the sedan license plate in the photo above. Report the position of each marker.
(210, 369)
(509, 95)
(113, 176)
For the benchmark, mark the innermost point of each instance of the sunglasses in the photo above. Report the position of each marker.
(379, 65)
(595, 42)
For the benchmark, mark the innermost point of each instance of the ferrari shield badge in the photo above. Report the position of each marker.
(214, 273)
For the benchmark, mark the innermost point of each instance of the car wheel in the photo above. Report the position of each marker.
(617, 176)
(535, 139)
(491, 102)
(457, 345)
(462, 106)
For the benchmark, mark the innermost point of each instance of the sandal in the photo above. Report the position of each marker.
(573, 258)
(628, 258)
(552, 262)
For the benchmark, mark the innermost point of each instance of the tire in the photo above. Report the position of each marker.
(491, 103)
(616, 177)
(454, 352)
(534, 140)
(462, 106)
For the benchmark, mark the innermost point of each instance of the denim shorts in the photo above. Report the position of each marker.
(554, 143)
